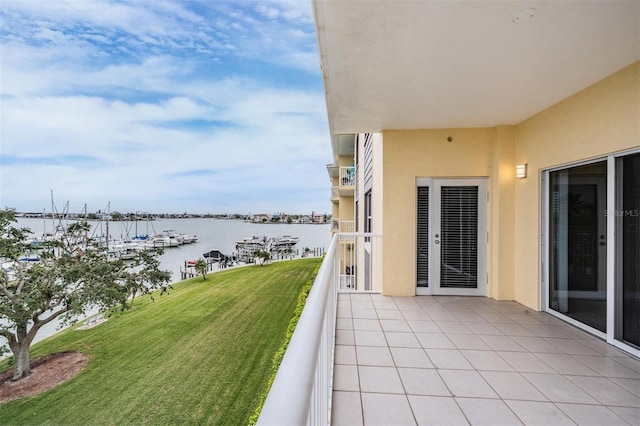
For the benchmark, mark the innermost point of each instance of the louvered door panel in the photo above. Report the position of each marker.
(459, 237)
(422, 260)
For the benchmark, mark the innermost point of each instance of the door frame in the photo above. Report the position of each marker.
(434, 185)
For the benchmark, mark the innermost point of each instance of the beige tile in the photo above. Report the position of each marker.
(345, 354)
(629, 362)
(632, 385)
(483, 328)
(386, 410)
(435, 341)
(595, 415)
(512, 386)
(366, 324)
(539, 413)
(501, 343)
(486, 360)
(345, 378)
(572, 347)
(423, 326)
(608, 367)
(495, 317)
(389, 314)
(558, 388)
(344, 337)
(411, 357)
(344, 324)
(380, 379)
(464, 383)
(436, 411)
(468, 341)
(605, 391)
(566, 364)
(420, 381)
(537, 345)
(346, 409)
(524, 362)
(469, 317)
(630, 414)
(451, 327)
(489, 412)
(395, 325)
(416, 315)
(369, 338)
(448, 359)
(513, 329)
(364, 313)
(374, 355)
(402, 340)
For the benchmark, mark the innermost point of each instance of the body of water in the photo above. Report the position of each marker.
(212, 234)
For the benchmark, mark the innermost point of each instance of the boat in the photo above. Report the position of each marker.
(176, 238)
(188, 239)
(248, 246)
(216, 255)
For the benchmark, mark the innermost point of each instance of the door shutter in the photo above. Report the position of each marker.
(459, 237)
(422, 260)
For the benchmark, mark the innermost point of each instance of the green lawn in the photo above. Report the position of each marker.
(201, 355)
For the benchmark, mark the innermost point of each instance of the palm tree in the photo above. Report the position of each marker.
(201, 268)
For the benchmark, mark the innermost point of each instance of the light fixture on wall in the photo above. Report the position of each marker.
(521, 171)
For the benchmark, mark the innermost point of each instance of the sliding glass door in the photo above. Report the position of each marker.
(592, 247)
(627, 216)
(578, 240)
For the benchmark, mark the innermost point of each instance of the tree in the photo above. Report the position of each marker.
(262, 256)
(72, 275)
(201, 268)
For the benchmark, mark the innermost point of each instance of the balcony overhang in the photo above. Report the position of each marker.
(436, 64)
(343, 145)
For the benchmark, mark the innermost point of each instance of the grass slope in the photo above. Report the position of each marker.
(201, 355)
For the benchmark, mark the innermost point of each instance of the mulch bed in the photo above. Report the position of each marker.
(46, 372)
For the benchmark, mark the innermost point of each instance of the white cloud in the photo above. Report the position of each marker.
(121, 101)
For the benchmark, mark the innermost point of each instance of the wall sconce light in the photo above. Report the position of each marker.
(521, 171)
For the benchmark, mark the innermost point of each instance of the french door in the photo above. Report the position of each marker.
(451, 243)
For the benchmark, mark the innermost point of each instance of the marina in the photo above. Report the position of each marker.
(212, 234)
(225, 235)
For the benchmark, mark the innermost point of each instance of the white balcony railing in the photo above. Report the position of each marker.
(301, 391)
(347, 226)
(347, 176)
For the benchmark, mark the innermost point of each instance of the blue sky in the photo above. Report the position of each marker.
(162, 106)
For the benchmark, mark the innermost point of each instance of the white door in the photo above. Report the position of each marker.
(451, 255)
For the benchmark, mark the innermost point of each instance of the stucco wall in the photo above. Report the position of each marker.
(600, 120)
(597, 121)
(409, 155)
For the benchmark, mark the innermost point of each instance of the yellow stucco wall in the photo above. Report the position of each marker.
(597, 121)
(600, 120)
(409, 155)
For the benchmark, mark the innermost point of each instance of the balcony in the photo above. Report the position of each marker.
(335, 195)
(358, 357)
(346, 181)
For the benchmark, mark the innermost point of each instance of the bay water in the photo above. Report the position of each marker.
(220, 234)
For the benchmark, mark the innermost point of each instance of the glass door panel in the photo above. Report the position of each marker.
(628, 222)
(578, 245)
(459, 237)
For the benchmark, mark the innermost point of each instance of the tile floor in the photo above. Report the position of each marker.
(470, 360)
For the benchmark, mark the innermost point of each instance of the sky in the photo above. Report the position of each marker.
(162, 106)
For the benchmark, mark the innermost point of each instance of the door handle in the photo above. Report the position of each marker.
(437, 241)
